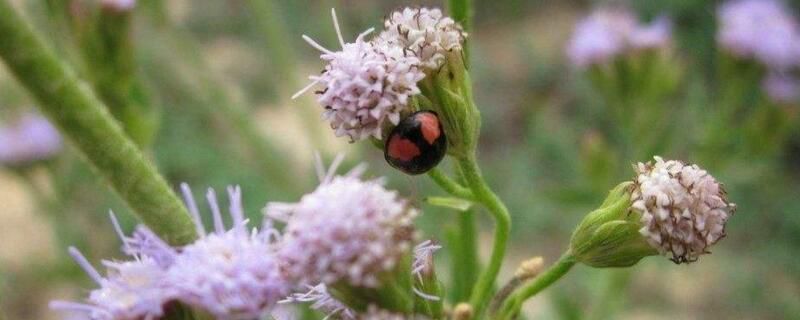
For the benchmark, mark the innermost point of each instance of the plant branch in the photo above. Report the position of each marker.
(82, 117)
(484, 195)
(514, 302)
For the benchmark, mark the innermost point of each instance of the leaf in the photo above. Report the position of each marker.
(450, 202)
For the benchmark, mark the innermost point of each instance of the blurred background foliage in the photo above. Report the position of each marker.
(214, 78)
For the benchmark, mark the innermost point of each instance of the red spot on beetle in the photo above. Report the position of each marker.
(429, 125)
(403, 149)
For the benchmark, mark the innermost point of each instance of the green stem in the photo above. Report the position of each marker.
(484, 195)
(76, 110)
(449, 185)
(514, 302)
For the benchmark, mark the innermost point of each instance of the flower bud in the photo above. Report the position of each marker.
(609, 236)
(671, 208)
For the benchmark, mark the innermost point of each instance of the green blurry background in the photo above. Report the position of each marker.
(218, 76)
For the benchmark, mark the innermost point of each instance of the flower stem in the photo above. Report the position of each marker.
(556, 271)
(484, 195)
(449, 185)
(82, 117)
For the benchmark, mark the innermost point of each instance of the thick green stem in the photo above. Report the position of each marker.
(76, 110)
(483, 287)
(514, 302)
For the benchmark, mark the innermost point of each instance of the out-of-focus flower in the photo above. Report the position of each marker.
(683, 208)
(609, 32)
(424, 31)
(763, 30)
(119, 5)
(29, 139)
(671, 208)
(322, 301)
(782, 88)
(135, 289)
(348, 230)
(230, 273)
(366, 85)
(657, 34)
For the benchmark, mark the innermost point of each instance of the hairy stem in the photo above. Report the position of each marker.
(82, 117)
(514, 302)
(483, 194)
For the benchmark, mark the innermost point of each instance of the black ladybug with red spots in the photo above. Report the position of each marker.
(416, 144)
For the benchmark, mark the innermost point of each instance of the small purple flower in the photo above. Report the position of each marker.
(366, 85)
(348, 230)
(119, 5)
(422, 266)
(782, 88)
(609, 32)
(233, 273)
(230, 273)
(763, 30)
(133, 289)
(28, 139)
(657, 34)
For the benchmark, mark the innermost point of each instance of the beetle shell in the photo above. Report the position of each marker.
(416, 144)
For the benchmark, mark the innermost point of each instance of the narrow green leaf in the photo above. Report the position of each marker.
(450, 202)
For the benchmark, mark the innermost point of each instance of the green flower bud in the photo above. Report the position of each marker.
(609, 236)
(448, 92)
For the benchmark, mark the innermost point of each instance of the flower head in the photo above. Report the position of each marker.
(424, 31)
(230, 273)
(348, 230)
(683, 208)
(609, 32)
(133, 289)
(763, 30)
(28, 139)
(366, 85)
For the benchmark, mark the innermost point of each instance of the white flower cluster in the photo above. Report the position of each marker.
(346, 230)
(424, 31)
(369, 84)
(683, 208)
(609, 32)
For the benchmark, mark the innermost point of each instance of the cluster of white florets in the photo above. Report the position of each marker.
(683, 208)
(426, 32)
(368, 84)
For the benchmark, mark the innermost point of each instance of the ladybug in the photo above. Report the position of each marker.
(416, 144)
